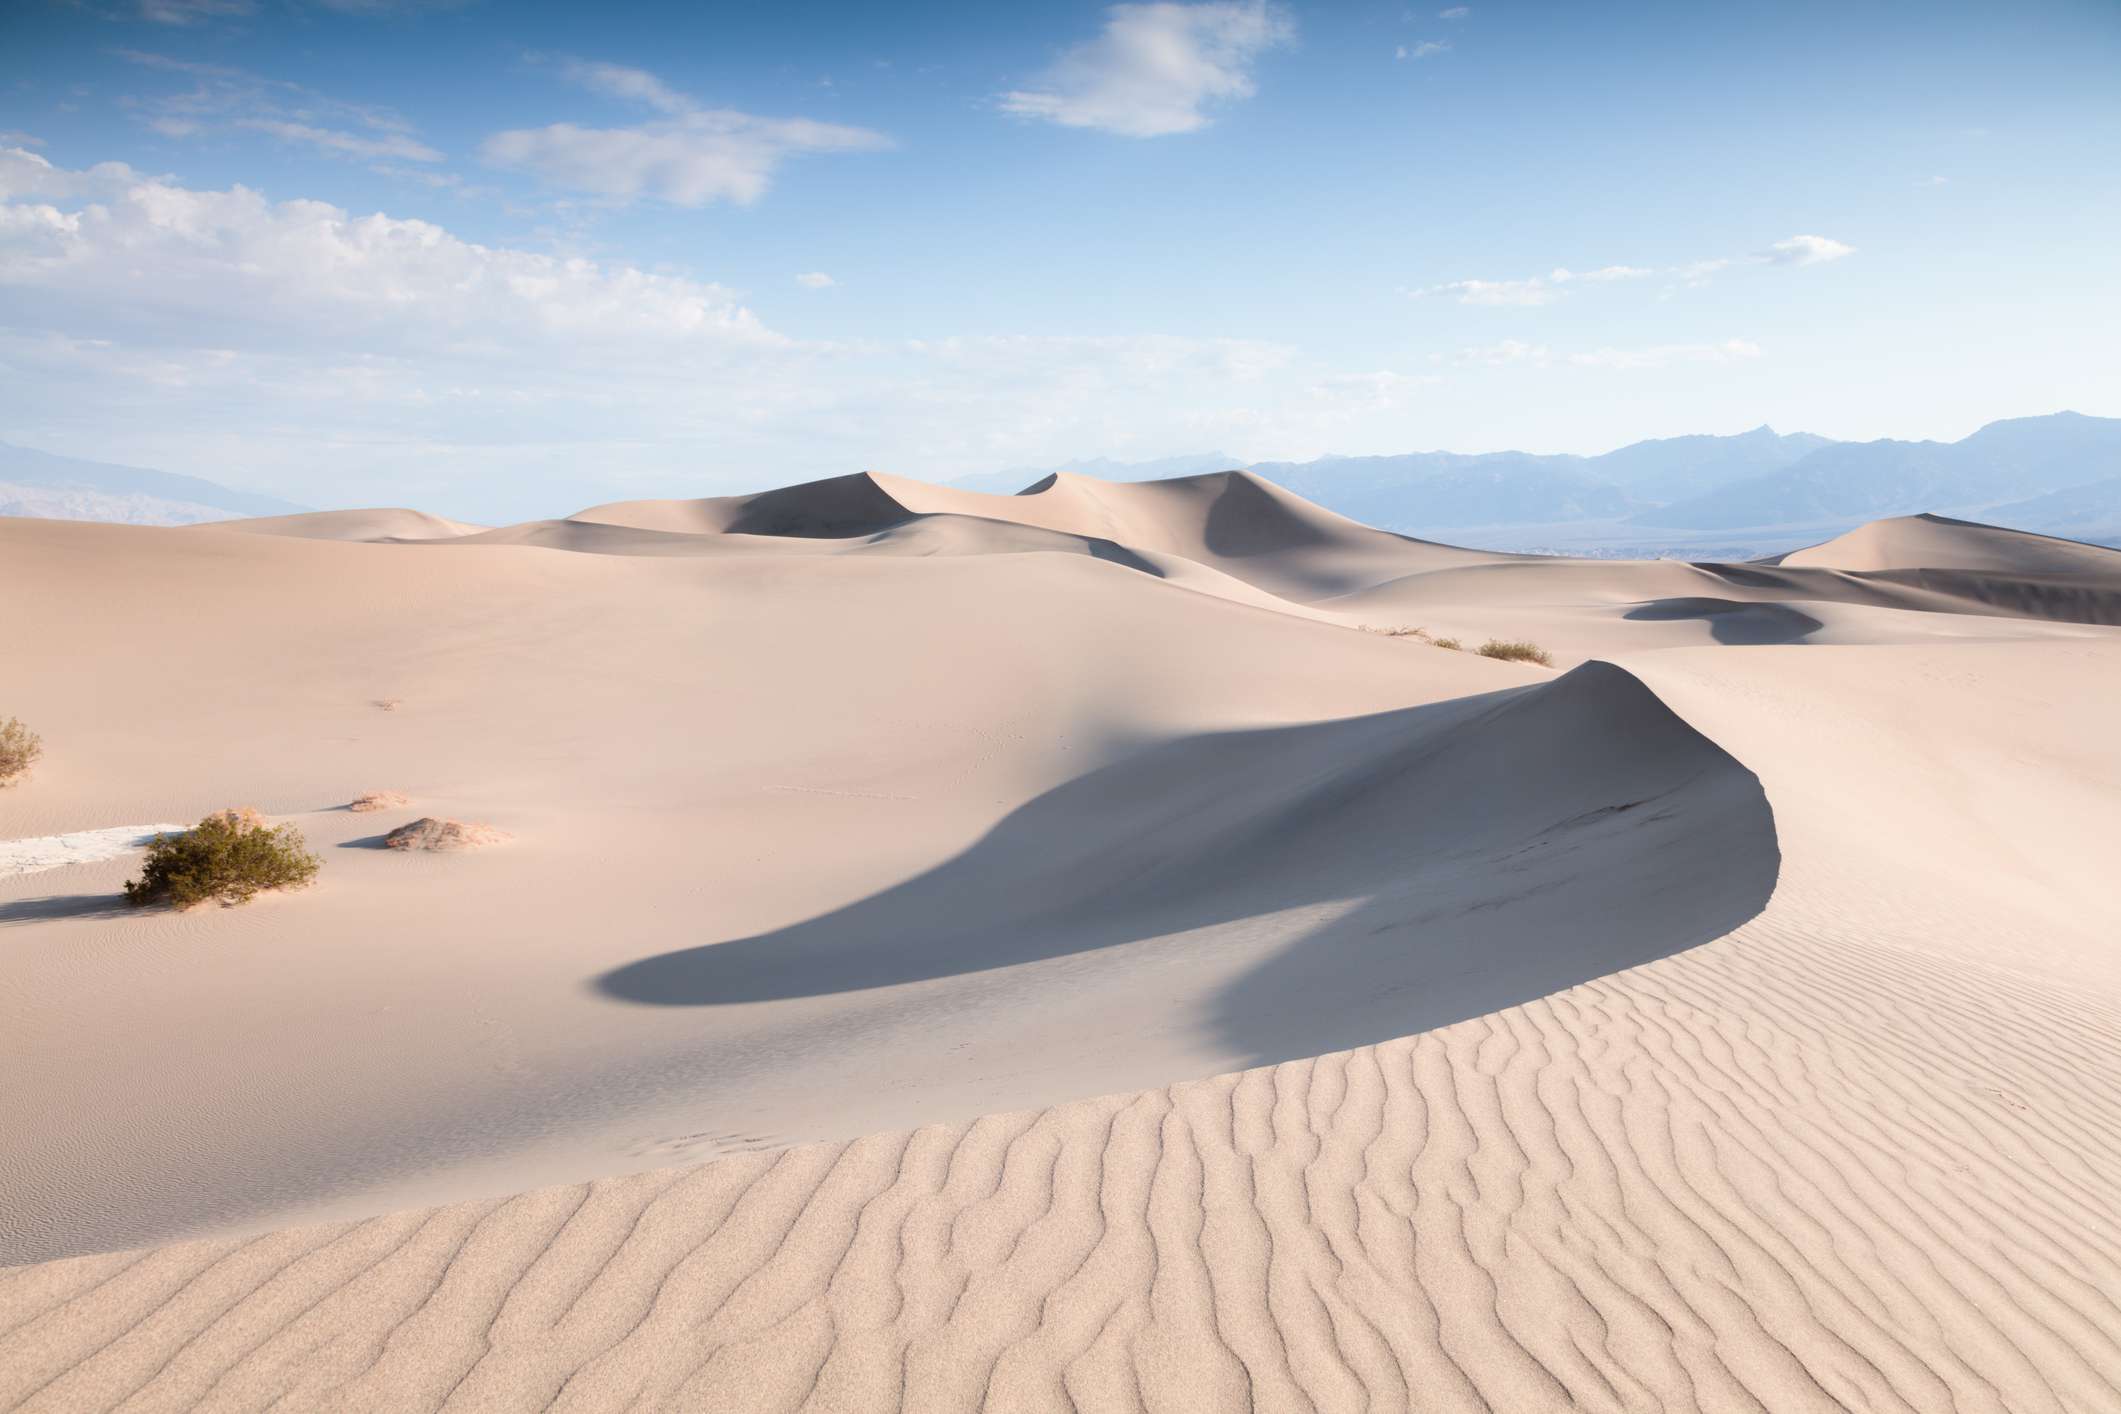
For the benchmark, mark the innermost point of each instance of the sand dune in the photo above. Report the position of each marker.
(383, 524)
(1233, 521)
(1932, 542)
(1728, 1020)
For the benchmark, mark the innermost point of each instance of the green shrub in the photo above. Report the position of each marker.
(230, 856)
(19, 749)
(1516, 651)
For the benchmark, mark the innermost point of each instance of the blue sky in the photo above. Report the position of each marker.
(502, 260)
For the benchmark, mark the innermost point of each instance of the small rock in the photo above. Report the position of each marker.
(432, 834)
(379, 800)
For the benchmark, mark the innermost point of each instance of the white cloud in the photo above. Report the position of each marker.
(1664, 355)
(815, 280)
(1523, 293)
(1934, 182)
(113, 247)
(1155, 68)
(1545, 289)
(1604, 274)
(1805, 250)
(1423, 50)
(294, 344)
(1456, 12)
(688, 157)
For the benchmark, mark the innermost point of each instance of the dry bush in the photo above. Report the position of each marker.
(19, 749)
(230, 855)
(369, 800)
(1516, 651)
(1451, 643)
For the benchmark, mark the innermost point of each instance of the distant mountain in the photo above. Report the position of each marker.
(1008, 483)
(1705, 496)
(2090, 512)
(34, 483)
(1452, 488)
(1670, 467)
(2003, 463)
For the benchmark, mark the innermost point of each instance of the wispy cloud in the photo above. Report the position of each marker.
(1534, 290)
(815, 280)
(1545, 289)
(191, 12)
(1423, 50)
(688, 157)
(351, 144)
(389, 7)
(1514, 352)
(634, 85)
(1805, 250)
(1155, 69)
(1456, 12)
(223, 98)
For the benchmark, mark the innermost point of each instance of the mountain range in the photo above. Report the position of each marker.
(1758, 492)
(47, 485)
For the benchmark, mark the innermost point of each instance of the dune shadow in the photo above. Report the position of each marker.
(1112, 552)
(366, 842)
(1737, 622)
(1324, 885)
(44, 910)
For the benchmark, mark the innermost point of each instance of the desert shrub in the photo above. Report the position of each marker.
(229, 856)
(19, 749)
(1516, 651)
(1451, 643)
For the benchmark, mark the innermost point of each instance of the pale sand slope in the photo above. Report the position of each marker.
(1861, 1153)
(803, 850)
(1857, 1152)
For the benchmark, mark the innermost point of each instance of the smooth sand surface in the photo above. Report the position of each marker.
(1728, 1018)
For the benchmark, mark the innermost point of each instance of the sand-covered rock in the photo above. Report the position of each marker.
(369, 800)
(443, 836)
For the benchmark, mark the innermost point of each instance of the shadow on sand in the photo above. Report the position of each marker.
(1315, 887)
(43, 910)
(1736, 622)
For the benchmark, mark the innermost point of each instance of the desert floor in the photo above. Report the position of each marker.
(1070, 951)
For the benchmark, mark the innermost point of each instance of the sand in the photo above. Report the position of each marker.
(1097, 973)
